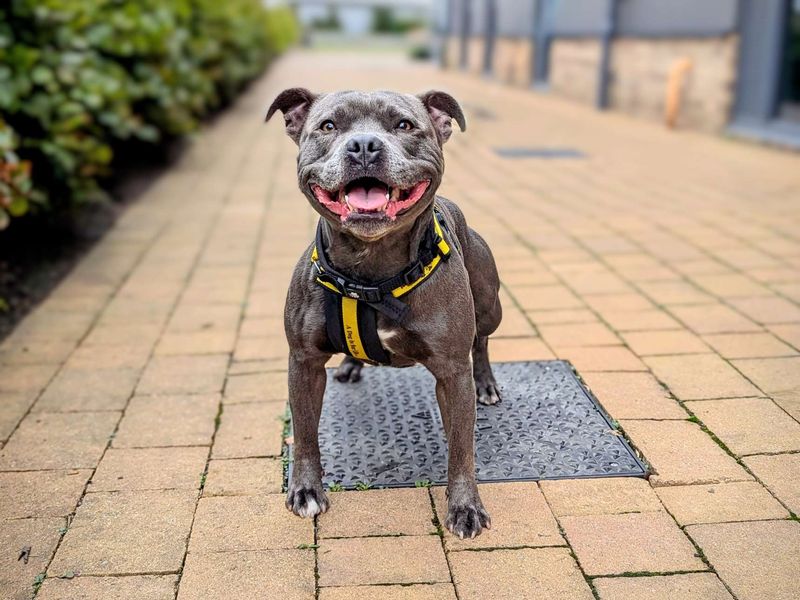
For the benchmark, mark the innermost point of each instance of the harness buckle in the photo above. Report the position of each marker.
(361, 292)
(413, 274)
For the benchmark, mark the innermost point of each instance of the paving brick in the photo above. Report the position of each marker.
(772, 374)
(713, 318)
(58, 441)
(788, 333)
(512, 349)
(25, 378)
(41, 535)
(515, 323)
(721, 502)
(41, 493)
(260, 366)
(531, 573)
(244, 477)
(284, 574)
(257, 387)
(615, 302)
(123, 355)
(419, 591)
(633, 395)
(88, 390)
(250, 430)
(601, 358)
(654, 343)
(260, 326)
(583, 334)
(232, 523)
(681, 453)
(674, 292)
(378, 512)
(546, 296)
(12, 410)
(748, 345)
(127, 533)
(768, 309)
(757, 559)
(149, 469)
(211, 341)
(749, 425)
(613, 495)
(149, 587)
(779, 474)
(261, 348)
(688, 586)
(640, 320)
(36, 352)
(520, 517)
(788, 401)
(640, 541)
(375, 560)
(168, 421)
(700, 376)
(565, 316)
(730, 285)
(184, 375)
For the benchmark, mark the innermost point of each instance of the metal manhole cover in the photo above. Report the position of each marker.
(538, 152)
(386, 431)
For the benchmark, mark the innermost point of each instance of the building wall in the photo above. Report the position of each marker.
(513, 60)
(452, 52)
(475, 54)
(574, 67)
(640, 70)
(650, 37)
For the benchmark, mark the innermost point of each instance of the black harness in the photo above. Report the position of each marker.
(351, 306)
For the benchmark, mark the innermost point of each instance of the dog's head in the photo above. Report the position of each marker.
(369, 162)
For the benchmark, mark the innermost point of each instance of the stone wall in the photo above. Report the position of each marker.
(640, 71)
(574, 65)
(512, 60)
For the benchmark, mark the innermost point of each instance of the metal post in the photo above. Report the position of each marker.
(607, 42)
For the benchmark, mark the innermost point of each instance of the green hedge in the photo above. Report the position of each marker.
(83, 79)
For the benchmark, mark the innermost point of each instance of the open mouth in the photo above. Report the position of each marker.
(371, 197)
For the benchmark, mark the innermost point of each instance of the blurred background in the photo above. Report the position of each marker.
(92, 92)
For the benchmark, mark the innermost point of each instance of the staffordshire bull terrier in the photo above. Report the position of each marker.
(395, 275)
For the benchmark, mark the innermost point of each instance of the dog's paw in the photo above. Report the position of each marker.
(307, 501)
(467, 520)
(349, 371)
(487, 393)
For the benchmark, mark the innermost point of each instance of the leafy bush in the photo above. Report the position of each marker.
(83, 79)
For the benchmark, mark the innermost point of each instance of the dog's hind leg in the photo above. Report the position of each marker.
(486, 388)
(349, 371)
(485, 285)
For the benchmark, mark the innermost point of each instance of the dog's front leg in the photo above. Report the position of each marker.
(306, 497)
(455, 389)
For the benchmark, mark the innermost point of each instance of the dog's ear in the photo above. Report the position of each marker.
(443, 108)
(294, 104)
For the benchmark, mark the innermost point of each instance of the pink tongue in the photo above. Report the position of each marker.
(363, 199)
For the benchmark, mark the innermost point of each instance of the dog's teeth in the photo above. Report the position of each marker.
(387, 195)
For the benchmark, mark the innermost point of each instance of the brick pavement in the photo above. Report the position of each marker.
(143, 401)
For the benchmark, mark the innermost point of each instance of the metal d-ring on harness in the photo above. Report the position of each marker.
(350, 306)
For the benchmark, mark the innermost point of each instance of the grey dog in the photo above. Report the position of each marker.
(370, 164)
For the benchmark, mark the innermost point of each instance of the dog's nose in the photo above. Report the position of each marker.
(364, 149)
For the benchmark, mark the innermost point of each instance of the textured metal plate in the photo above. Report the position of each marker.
(386, 430)
(534, 152)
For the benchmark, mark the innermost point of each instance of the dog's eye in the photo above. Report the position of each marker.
(405, 125)
(328, 126)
